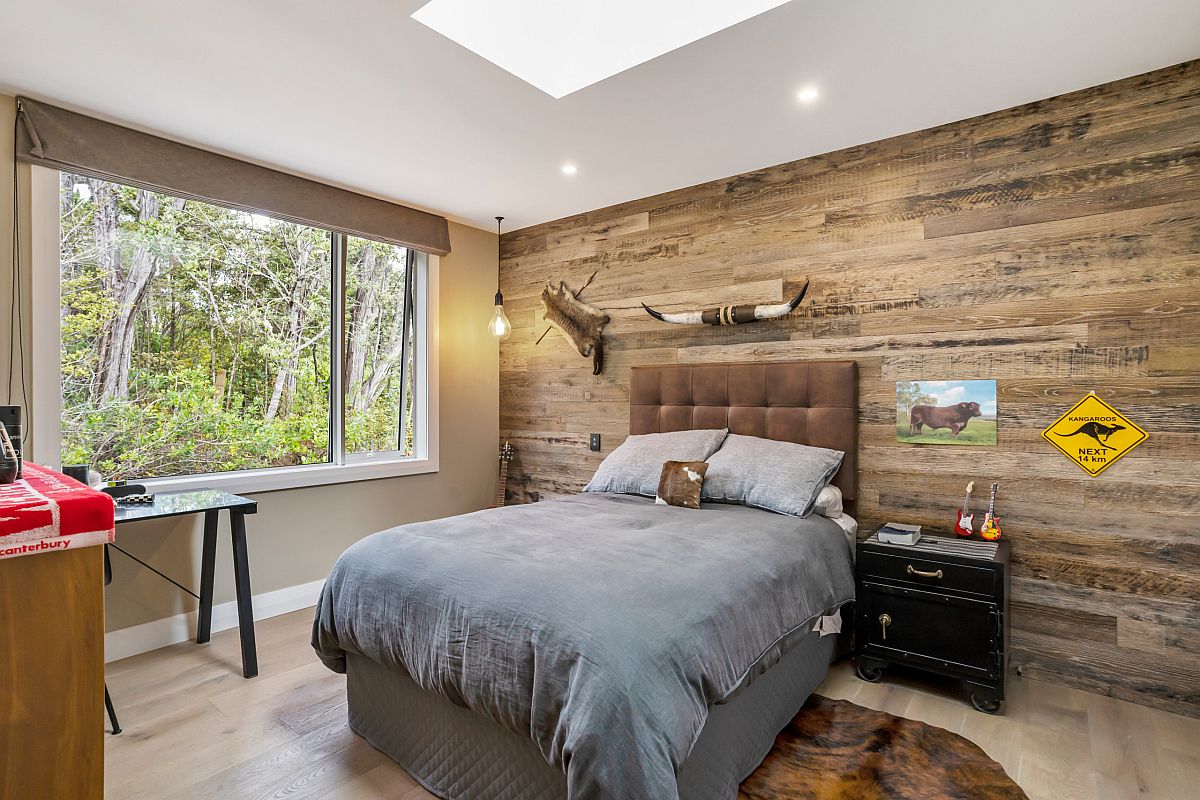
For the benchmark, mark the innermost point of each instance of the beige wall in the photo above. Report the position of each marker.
(298, 533)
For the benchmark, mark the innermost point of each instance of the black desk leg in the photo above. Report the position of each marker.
(112, 712)
(208, 566)
(241, 582)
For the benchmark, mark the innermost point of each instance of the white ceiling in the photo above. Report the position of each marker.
(359, 94)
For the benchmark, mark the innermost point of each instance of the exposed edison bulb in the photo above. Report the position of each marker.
(500, 327)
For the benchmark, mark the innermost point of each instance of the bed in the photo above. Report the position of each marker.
(600, 645)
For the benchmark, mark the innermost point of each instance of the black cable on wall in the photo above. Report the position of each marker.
(16, 338)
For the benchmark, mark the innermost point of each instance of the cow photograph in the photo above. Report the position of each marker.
(946, 412)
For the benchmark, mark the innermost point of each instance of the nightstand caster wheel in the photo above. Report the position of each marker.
(986, 706)
(869, 674)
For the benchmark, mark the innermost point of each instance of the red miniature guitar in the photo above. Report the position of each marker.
(964, 525)
(990, 529)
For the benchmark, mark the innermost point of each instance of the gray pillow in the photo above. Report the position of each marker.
(763, 473)
(635, 466)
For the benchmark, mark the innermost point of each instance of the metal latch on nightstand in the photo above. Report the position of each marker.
(884, 621)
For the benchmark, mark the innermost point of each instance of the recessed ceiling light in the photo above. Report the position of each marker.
(569, 169)
(561, 46)
(807, 94)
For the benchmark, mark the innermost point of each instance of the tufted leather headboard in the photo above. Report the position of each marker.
(807, 402)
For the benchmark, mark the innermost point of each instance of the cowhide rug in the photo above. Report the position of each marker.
(835, 750)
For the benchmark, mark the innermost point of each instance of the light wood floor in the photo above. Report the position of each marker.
(195, 729)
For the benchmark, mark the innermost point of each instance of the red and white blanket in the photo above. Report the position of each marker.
(47, 511)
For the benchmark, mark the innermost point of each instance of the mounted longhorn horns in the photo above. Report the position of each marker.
(582, 324)
(730, 315)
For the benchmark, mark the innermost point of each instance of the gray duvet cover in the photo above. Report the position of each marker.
(602, 626)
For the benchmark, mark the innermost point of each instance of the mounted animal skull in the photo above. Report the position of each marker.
(730, 315)
(580, 323)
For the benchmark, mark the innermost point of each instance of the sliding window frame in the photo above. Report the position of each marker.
(407, 349)
(418, 319)
(337, 350)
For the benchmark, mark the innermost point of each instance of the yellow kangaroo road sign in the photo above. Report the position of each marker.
(1094, 435)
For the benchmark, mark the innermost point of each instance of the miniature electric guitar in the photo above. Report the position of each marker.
(506, 454)
(990, 529)
(964, 526)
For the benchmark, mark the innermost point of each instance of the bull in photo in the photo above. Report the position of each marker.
(954, 417)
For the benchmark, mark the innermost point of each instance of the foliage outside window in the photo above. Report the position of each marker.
(379, 348)
(197, 338)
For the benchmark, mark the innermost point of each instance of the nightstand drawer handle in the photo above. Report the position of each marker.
(913, 571)
(884, 621)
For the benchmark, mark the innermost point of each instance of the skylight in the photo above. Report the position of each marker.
(561, 46)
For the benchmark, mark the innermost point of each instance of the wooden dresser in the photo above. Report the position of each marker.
(52, 675)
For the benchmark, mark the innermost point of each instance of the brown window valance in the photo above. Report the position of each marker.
(60, 139)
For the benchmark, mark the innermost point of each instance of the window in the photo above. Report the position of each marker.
(200, 340)
(379, 347)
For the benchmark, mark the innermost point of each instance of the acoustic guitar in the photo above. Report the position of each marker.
(506, 454)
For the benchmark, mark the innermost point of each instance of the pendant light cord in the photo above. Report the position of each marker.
(499, 295)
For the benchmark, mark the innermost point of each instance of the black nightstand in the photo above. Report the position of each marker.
(940, 605)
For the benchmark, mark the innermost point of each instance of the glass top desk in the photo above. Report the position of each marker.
(210, 503)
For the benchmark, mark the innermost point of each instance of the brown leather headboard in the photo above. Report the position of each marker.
(807, 402)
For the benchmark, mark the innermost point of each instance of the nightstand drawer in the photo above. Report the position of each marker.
(926, 572)
(936, 630)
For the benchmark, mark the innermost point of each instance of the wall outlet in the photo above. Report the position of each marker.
(594, 442)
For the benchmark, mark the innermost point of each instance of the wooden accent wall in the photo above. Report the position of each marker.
(1054, 247)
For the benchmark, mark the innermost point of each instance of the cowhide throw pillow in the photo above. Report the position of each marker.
(680, 483)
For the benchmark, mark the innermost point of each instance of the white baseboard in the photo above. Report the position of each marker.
(149, 636)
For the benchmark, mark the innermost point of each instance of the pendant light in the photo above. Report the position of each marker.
(499, 327)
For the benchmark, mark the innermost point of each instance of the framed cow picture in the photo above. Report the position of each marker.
(946, 412)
